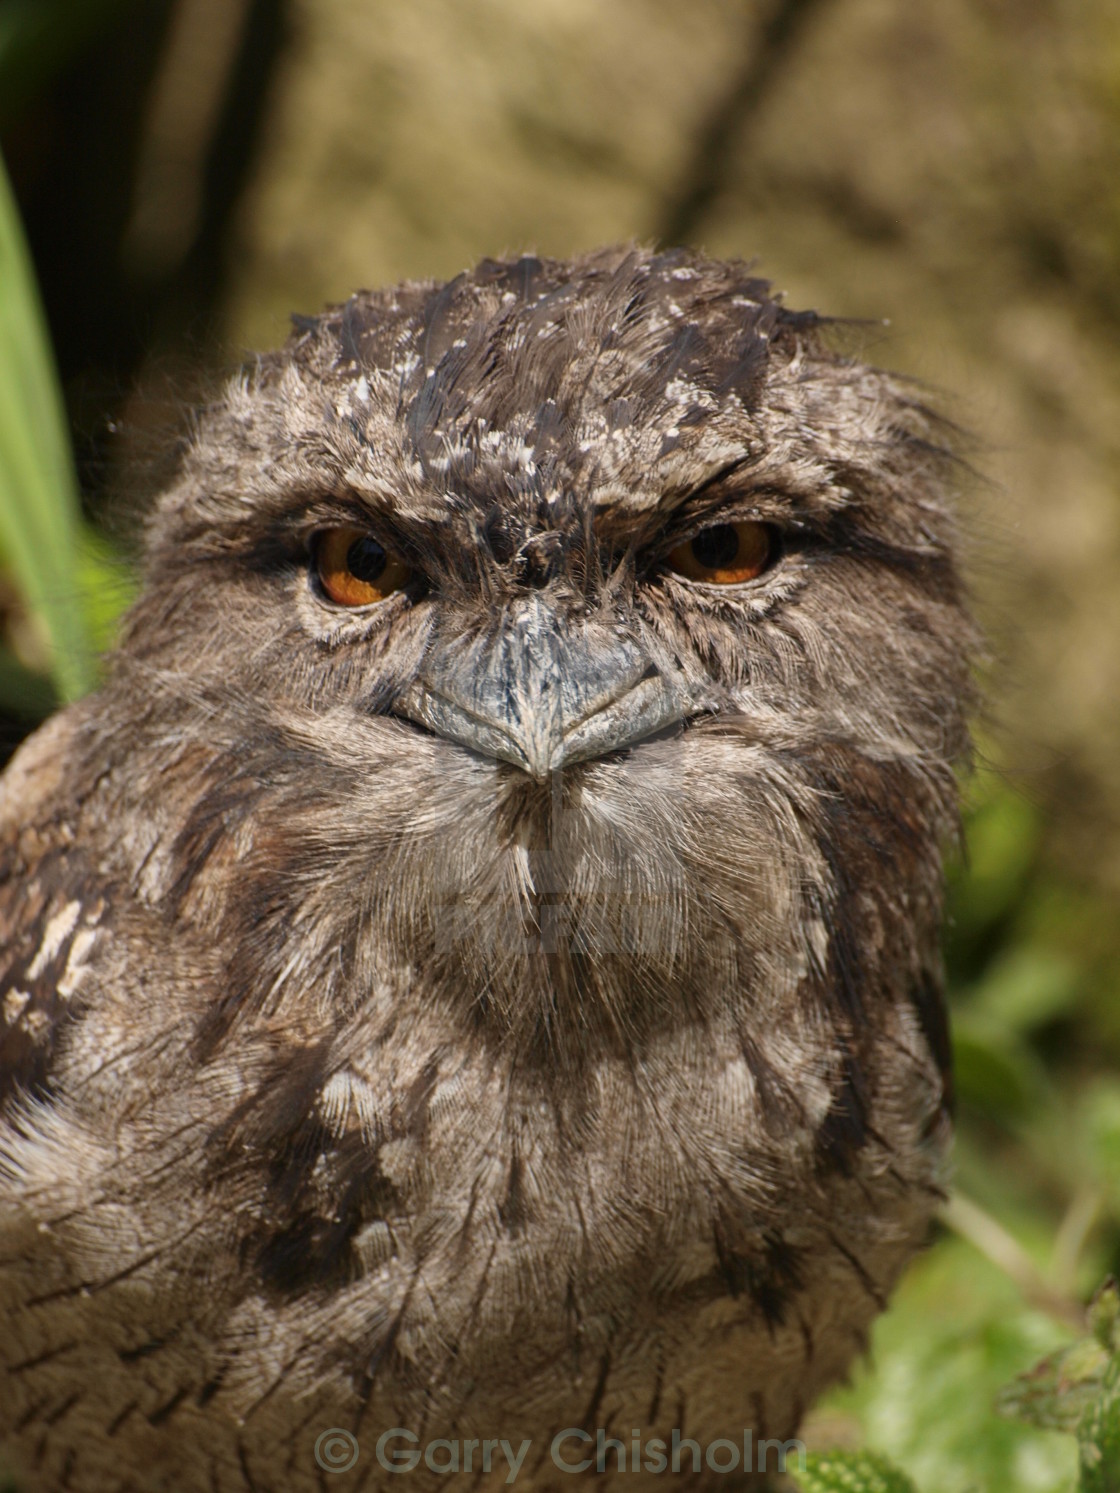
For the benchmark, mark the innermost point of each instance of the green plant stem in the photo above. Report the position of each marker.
(971, 1222)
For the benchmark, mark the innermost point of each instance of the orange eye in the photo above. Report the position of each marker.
(724, 554)
(356, 569)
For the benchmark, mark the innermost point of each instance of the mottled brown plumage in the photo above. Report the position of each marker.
(514, 1004)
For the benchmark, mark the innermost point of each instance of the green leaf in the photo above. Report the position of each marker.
(39, 509)
(1078, 1390)
(995, 1070)
(1058, 1391)
(1002, 832)
(107, 584)
(1104, 1315)
(1098, 1435)
(957, 1330)
(851, 1472)
(1099, 1109)
(1024, 987)
(24, 694)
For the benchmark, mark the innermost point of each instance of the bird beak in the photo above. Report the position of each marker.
(546, 691)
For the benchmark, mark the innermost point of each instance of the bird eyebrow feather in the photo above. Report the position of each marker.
(296, 517)
(712, 502)
(718, 478)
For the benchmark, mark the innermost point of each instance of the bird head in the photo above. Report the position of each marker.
(593, 591)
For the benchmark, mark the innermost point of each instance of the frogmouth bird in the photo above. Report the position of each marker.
(471, 970)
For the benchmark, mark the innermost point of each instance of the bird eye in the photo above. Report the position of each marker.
(356, 569)
(724, 554)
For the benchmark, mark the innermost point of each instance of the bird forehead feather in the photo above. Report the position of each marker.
(508, 337)
(622, 380)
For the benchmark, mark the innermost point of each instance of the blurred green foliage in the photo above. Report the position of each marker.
(935, 1402)
(65, 584)
(1038, 1149)
(66, 574)
(38, 488)
(1058, 1392)
(852, 1472)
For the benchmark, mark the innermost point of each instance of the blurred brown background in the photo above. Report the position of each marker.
(191, 171)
